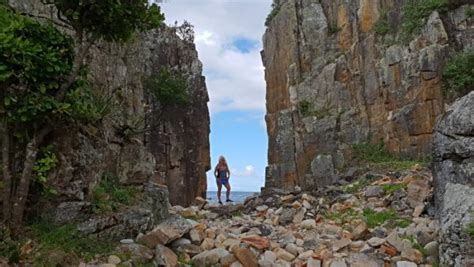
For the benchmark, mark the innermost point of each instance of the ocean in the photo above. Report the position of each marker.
(237, 197)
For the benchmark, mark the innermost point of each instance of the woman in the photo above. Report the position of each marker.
(222, 175)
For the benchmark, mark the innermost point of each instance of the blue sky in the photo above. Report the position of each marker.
(228, 39)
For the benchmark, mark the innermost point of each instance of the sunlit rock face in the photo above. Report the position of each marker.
(174, 151)
(332, 81)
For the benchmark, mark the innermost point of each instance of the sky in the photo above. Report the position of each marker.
(228, 37)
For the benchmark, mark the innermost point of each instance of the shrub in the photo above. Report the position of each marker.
(109, 195)
(332, 28)
(307, 109)
(415, 13)
(381, 26)
(470, 230)
(470, 12)
(168, 88)
(276, 6)
(66, 238)
(458, 74)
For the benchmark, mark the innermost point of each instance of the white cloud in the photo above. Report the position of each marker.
(235, 79)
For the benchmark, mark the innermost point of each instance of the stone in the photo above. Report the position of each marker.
(287, 216)
(196, 236)
(389, 250)
(413, 255)
(376, 241)
(68, 212)
(230, 243)
(139, 253)
(207, 244)
(406, 264)
(418, 191)
(165, 256)
(418, 210)
(284, 255)
(338, 263)
(172, 229)
(261, 208)
(340, 244)
(305, 255)
(180, 242)
(228, 260)
(256, 241)
(210, 257)
(432, 249)
(313, 263)
(189, 249)
(308, 224)
(360, 231)
(292, 248)
(236, 264)
(246, 257)
(113, 259)
(374, 191)
(456, 215)
(395, 240)
(299, 216)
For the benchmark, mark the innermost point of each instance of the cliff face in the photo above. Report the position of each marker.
(167, 153)
(332, 81)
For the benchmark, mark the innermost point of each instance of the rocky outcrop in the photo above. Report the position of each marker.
(453, 170)
(119, 145)
(333, 81)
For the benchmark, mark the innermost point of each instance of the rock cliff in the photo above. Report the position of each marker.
(344, 72)
(119, 146)
(453, 171)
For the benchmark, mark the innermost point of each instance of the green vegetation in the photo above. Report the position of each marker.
(343, 216)
(469, 230)
(415, 13)
(109, 195)
(470, 12)
(390, 188)
(109, 19)
(333, 28)
(276, 6)
(9, 249)
(307, 109)
(52, 238)
(382, 27)
(168, 88)
(378, 155)
(356, 186)
(374, 219)
(458, 74)
(43, 82)
(415, 244)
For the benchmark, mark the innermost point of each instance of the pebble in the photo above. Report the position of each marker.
(308, 224)
(114, 259)
(376, 241)
(284, 255)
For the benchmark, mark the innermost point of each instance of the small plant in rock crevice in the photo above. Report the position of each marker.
(415, 13)
(110, 196)
(382, 26)
(374, 218)
(458, 74)
(276, 6)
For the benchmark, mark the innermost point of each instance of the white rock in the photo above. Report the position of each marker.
(406, 264)
(114, 260)
(269, 256)
(313, 263)
(292, 248)
(376, 241)
(308, 224)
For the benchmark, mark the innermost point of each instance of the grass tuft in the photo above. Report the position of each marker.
(109, 195)
(374, 218)
(67, 239)
(415, 13)
(390, 188)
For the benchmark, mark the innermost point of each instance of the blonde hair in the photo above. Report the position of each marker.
(222, 162)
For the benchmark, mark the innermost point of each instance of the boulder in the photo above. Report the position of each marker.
(165, 256)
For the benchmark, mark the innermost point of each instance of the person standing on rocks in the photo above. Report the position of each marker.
(222, 175)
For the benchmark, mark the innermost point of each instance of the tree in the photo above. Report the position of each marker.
(42, 81)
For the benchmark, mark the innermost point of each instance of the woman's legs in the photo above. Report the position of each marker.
(227, 186)
(219, 188)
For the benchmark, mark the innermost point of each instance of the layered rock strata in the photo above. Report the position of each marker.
(333, 81)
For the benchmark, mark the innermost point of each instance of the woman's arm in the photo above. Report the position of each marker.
(216, 173)
(228, 174)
